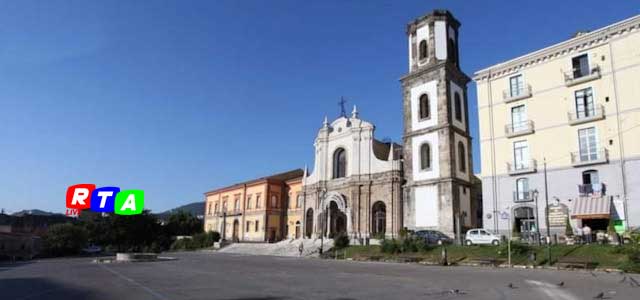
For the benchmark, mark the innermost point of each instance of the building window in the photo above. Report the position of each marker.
(462, 158)
(458, 106)
(520, 155)
(236, 203)
(247, 226)
(584, 103)
(249, 202)
(257, 227)
(424, 107)
(588, 144)
(379, 218)
(423, 50)
(590, 183)
(298, 201)
(518, 118)
(274, 201)
(580, 66)
(258, 202)
(209, 208)
(516, 85)
(216, 207)
(224, 205)
(522, 189)
(339, 163)
(425, 157)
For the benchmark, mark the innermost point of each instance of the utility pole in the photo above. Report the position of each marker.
(546, 212)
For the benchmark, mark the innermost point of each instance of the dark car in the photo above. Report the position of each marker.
(433, 237)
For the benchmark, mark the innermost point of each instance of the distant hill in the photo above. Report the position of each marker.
(34, 212)
(195, 208)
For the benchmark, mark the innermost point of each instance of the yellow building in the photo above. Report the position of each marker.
(576, 106)
(256, 210)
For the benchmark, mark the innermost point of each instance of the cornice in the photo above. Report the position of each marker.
(588, 40)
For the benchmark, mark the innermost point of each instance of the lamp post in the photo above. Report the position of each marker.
(535, 196)
(546, 213)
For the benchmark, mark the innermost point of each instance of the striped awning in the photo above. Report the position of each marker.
(591, 208)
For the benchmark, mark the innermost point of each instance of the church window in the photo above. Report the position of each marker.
(339, 163)
(458, 106)
(462, 157)
(379, 218)
(423, 49)
(424, 107)
(298, 201)
(451, 51)
(425, 156)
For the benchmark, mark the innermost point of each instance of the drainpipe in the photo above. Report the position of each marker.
(621, 142)
(493, 157)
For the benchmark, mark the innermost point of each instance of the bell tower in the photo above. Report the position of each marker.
(437, 144)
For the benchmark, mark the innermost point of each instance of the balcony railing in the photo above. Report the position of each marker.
(518, 94)
(598, 157)
(518, 129)
(588, 115)
(518, 168)
(576, 77)
(524, 196)
(598, 189)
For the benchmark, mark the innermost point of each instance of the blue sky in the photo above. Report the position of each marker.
(179, 97)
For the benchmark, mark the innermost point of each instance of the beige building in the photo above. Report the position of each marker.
(257, 210)
(575, 105)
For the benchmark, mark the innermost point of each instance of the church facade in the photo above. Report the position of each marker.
(369, 189)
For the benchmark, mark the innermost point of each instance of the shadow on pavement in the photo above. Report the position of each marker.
(40, 288)
(6, 266)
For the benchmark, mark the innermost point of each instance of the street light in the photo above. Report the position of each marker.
(535, 197)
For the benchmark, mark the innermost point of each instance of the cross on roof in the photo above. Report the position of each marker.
(342, 102)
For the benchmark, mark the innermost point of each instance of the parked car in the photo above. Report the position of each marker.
(481, 236)
(433, 237)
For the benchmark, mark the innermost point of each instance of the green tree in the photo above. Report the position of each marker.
(64, 239)
(183, 223)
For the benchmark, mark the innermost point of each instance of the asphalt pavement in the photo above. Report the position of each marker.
(206, 275)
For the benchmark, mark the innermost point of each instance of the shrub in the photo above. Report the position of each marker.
(340, 241)
(390, 246)
(197, 241)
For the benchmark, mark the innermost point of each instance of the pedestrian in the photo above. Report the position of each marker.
(301, 248)
(586, 230)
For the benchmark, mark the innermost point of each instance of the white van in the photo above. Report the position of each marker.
(481, 236)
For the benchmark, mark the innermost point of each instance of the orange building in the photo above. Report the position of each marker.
(257, 210)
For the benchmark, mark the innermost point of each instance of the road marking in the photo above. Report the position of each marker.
(552, 291)
(146, 289)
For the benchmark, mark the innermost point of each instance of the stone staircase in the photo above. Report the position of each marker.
(283, 248)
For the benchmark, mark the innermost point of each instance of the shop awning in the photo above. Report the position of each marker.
(591, 208)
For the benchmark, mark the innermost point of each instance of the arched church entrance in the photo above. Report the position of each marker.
(337, 220)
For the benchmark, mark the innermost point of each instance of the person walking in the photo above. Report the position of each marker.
(301, 248)
(586, 230)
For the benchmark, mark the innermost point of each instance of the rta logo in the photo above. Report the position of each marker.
(104, 199)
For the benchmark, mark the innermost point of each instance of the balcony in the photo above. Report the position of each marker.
(522, 93)
(577, 77)
(518, 129)
(589, 115)
(599, 157)
(596, 190)
(525, 196)
(522, 167)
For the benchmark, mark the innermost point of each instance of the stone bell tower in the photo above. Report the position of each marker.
(437, 144)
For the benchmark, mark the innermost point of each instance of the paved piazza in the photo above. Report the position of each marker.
(201, 275)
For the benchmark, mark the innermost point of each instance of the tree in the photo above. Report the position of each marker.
(183, 223)
(64, 239)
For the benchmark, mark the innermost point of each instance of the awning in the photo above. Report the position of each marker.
(591, 208)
